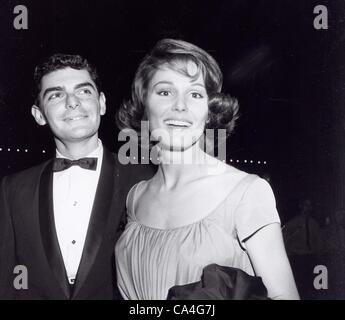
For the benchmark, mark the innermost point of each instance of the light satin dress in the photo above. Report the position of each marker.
(149, 261)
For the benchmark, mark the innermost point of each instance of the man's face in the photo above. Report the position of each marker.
(70, 104)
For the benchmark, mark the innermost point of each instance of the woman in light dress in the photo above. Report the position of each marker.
(196, 210)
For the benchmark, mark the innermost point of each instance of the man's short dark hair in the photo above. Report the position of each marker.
(60, 61)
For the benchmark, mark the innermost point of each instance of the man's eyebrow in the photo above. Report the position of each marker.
(85, 84)
(46, 91)
(79, 85)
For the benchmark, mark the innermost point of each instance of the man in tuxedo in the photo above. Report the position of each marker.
(61, 219)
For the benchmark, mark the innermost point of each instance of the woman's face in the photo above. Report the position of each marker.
(177, 107)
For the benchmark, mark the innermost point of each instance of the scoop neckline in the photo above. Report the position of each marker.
(209, 215)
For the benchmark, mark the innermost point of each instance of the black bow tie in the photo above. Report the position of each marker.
(61, 164)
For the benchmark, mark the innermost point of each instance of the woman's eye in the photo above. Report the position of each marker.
(196, 95)
(164, 93)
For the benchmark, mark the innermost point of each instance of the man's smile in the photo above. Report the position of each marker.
(75, 118)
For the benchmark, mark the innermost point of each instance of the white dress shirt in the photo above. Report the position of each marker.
(74, 192)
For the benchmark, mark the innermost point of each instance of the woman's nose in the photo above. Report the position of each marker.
(180, 104)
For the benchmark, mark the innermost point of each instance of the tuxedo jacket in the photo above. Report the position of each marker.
(28, 236)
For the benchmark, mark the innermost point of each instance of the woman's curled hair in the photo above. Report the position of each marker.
(223, 112)
(223, 109)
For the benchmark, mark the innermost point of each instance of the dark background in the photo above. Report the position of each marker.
(288, 77)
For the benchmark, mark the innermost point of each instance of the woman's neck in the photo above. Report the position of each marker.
(180, 167)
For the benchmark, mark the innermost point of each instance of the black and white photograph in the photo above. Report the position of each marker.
(172, 150)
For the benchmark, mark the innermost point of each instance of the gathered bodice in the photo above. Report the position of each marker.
(151, 260)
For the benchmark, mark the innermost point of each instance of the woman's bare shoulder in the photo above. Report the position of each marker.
(228, 171)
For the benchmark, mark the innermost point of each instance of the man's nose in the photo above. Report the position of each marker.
(72, 101)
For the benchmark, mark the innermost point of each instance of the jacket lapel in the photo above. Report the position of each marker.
(48, 231)
(107, 190)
